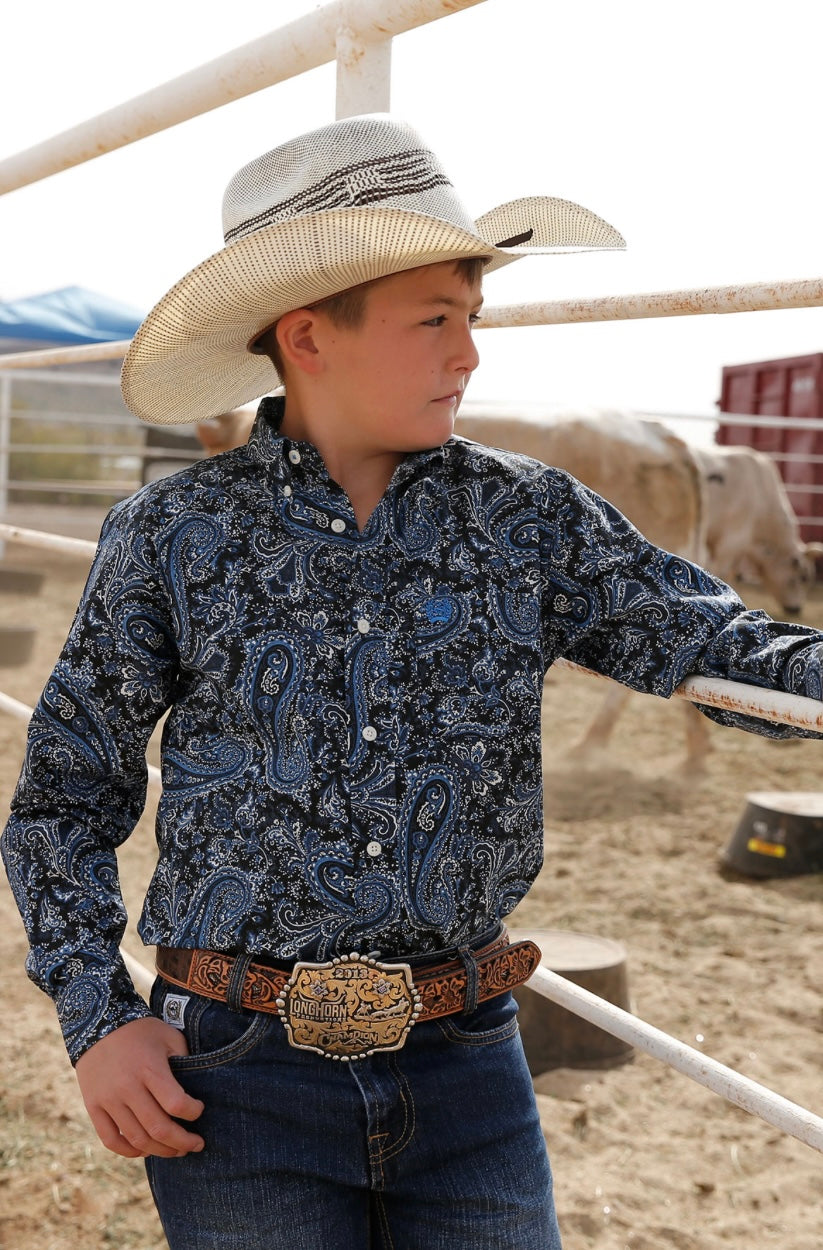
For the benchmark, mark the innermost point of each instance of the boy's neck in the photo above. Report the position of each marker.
(363, 473)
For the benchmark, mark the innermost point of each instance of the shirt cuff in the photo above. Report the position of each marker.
(94, 1003)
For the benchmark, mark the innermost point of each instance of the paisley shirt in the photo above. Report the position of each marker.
(352, 757)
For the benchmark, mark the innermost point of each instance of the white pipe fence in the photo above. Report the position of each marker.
(754, 297)
(357, 34)
(345, 32)
(40, 357)
(731, 1085)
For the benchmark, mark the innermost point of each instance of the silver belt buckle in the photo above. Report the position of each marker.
(349, 1007)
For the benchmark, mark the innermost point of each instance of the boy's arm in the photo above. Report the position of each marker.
(623, 607)
(83, 784)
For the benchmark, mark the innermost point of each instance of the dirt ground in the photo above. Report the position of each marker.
(644, 1158)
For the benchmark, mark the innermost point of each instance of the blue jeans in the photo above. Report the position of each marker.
(437, 1146)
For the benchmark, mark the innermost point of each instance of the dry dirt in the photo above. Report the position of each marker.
(644, 1158)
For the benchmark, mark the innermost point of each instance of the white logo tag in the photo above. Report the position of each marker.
(174, 1009)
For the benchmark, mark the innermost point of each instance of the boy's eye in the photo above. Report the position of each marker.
(439, 321)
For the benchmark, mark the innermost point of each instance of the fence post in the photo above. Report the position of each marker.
(363, 74)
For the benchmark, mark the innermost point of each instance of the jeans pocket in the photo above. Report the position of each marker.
(214, 1032)
(493, 1021)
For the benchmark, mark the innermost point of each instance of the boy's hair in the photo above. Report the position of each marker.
(347, 309)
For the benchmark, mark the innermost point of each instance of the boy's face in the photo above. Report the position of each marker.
(399, 376)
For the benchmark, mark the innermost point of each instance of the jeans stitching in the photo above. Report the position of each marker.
(453, 1034)
(406, 1134)
(227, 1054)
(385, 1231)
(375, 1151)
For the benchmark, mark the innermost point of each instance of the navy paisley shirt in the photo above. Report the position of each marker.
(351, 758)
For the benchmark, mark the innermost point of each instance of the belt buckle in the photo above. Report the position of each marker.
(349, 1007)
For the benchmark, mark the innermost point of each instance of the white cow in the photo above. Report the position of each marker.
(751, 529)
(228, 430)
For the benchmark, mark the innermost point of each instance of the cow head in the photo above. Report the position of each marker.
(788, 580)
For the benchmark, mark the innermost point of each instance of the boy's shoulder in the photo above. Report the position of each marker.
(486, 459)
(195, 487)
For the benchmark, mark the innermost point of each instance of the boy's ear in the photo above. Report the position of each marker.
(297, 340)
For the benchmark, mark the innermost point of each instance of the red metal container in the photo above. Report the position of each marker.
(791, 387)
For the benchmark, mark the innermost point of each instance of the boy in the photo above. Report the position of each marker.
(349, 621)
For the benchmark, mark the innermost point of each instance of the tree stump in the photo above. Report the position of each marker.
(16, 644)
(779, 835)
(20, 581)
(553, 1036)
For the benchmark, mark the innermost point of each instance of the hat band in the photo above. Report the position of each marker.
(354, 186)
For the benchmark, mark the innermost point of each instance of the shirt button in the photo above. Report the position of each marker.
(369, 733)
(363, 625)
(294, 456)
(287, 491)
(373, 849)
(338, 525)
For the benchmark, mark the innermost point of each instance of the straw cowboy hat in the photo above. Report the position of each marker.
(355, 200)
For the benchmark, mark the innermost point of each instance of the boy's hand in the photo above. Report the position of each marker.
(131, 1093)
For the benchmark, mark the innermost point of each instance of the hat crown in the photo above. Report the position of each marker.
(356, 162)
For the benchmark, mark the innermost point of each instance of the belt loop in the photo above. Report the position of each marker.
(472, 978)
(237, 979)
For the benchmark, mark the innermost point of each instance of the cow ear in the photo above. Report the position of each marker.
(814, 549)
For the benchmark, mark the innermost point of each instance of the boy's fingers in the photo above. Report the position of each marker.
(110, 1135)
(171, 1096)
(148, 1125)
(159, 1136)
(144, 1129)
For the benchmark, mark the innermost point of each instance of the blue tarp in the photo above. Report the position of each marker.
(69, 315)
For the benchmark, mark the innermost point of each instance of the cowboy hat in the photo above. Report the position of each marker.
(355, 200)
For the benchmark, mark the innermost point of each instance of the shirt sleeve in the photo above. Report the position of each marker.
(83, 785)
(615, 603)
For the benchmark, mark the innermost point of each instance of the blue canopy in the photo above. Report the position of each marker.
(69, 315)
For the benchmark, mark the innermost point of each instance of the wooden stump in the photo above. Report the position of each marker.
(16, 644)
(20, 581)
(779, 835)
(17, 641)
(553, 1036)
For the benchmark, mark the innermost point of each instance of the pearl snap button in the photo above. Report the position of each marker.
(363, 625)
(287, 491)
(374, 848)
(294, 456)
(369, 733)
(338, 525)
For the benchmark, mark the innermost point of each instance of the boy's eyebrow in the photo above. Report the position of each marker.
(448, 300)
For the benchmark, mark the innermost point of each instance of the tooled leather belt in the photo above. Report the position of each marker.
(354, 1005)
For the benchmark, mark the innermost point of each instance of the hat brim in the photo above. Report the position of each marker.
(189, 360)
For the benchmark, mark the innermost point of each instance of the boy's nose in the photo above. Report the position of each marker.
(467, 356)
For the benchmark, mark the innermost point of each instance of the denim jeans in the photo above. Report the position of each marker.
(437, 1146)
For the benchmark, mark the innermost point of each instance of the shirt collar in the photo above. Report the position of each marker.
(269, 447)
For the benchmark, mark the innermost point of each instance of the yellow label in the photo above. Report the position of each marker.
(776, 849)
